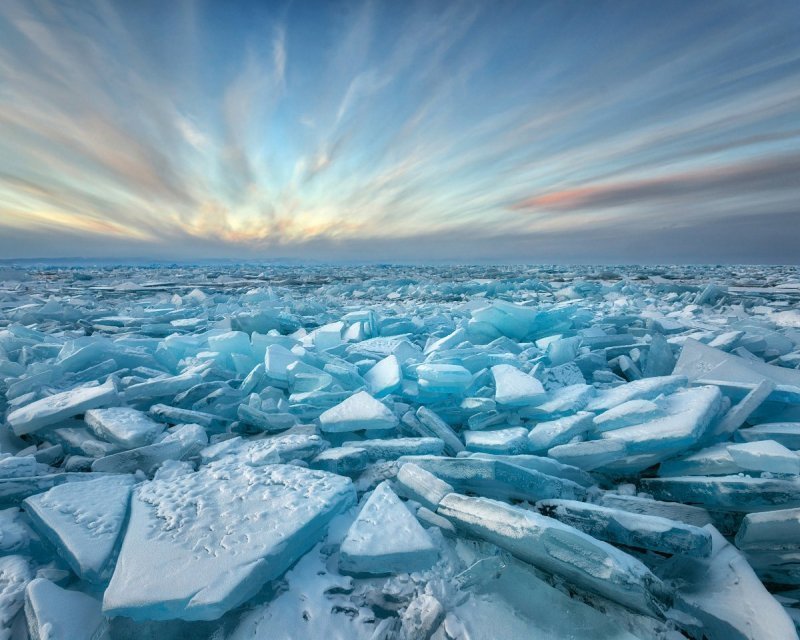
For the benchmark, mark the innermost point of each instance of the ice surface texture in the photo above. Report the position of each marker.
(400, 452)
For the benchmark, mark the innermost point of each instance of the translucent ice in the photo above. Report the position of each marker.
(514, 388)
(369, 548)
(359, 411)
(54, 613)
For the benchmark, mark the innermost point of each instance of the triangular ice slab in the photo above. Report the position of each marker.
(386, 538)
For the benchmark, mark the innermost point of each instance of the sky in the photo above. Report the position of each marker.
(556, 132)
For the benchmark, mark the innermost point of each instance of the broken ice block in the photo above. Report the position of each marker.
(54, 613)
(559, 549)
(543, 464)
(384, 377)
(726, 596)
(513, 388)
(378, 449)
(509, 441)
(254, 524)
(496, 479)
(431, 425)
(83, 521)
(157, 387)
(630, 529)
(277, 360)
(711, 461)
(415, 483)
(385, 538)
(547, 435)
(730, 493)
(590, 454)
(58, 407)
(359, 411)
(443, 378)
(627, 414)
(786, 433)
(127, 427)
(779, 528)
(645, 389)
(765, 455)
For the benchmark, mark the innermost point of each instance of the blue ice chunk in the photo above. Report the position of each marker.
(627, 414)
(730, 493)
(723, 592)
(429, 424)
(786, 433)
(255, 523)
(660, 359)
(380, 449)
(765, 456)
(497, 479)
(770, 529)
(561, 402)
(443, 378)
(513, 388)
(359, 411)
(629, 529)
(123, 426)
(689, 413)
(386, 538)
(230, 342)
(645, 389)
(590, 454)
(54, 613)
(83, 521)
(559, 549)
(546, 435)
(542, 464)
(158, 387)
(183, 442)
(415, 483)
(20, 466)
(346, 461)
(509, 441)
(741, 411)
(53, 409)
(277, 359)
(384, 377)
(711, 461)
(15, 490)
(687, 513)
(16, 572)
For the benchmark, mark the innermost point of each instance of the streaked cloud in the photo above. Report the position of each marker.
(387, 131)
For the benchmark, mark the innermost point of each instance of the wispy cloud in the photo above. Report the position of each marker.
(221, 129)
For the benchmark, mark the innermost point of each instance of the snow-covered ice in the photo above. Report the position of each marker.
(390, 452)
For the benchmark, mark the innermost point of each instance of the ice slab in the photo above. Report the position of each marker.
(711, 461)
(219, 534)
(429, 424)
(546, 435)
(15, 490)
(542, 464)
(723, 592)
(83, 521)
(627, 414)
(384, 377)
(16, 572)
(380, 449)
(687, 513)
(779, 528)
(443, 378)
(765, 456)
(509, 441)
(385, 538)
(645, 389)
(590, 454)
(496, 479)
(730, 493)
(786, 433)
(359, 411)
(124, 426)
(60, 406)
(417, 484)
(513, 388)
(559, 549)
(54, 613)
(629, 529)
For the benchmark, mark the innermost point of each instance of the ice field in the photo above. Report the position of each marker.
(381, 452)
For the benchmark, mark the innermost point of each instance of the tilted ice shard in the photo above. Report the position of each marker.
(238, 526)
(732, 493)
(496, 479)
(416, 483)
(359, 411)
(83, 521)
(385, 538)
(53, 409)
(513, 388)
(765, 455)
(549, 434)
(560, 549)
(726, 596)
(632, 530)
(124, 426)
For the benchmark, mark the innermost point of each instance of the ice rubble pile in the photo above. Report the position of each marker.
(385, 452)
